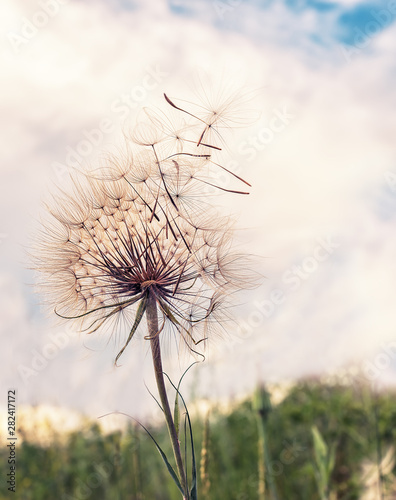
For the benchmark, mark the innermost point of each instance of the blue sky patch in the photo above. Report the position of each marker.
(335, 23)
(368, 18)
(180, 7)
(385, 200)
(301, 5)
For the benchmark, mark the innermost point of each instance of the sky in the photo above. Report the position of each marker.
(318, 150)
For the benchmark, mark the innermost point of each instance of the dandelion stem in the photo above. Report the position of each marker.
(152, 322)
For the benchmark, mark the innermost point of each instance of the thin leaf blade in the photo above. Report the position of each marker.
(139, 315)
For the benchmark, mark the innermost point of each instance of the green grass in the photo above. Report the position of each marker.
(88, 464)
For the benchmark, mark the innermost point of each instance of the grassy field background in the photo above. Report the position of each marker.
(253, 450)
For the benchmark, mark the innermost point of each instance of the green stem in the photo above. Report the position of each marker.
(261, 459)
(379, 450)
(266, 455)
(152, 323)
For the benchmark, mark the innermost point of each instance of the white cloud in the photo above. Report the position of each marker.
(314, 178)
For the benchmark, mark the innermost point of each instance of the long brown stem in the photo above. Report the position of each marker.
(152, 323)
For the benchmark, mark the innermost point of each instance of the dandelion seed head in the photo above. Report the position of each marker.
(142, 224)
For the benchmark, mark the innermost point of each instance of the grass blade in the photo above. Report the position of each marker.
(165, 459)
(194, 490)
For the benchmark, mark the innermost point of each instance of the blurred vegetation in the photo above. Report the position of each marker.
(321, 441)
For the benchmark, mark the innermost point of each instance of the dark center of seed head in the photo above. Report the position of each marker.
(147, 283)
